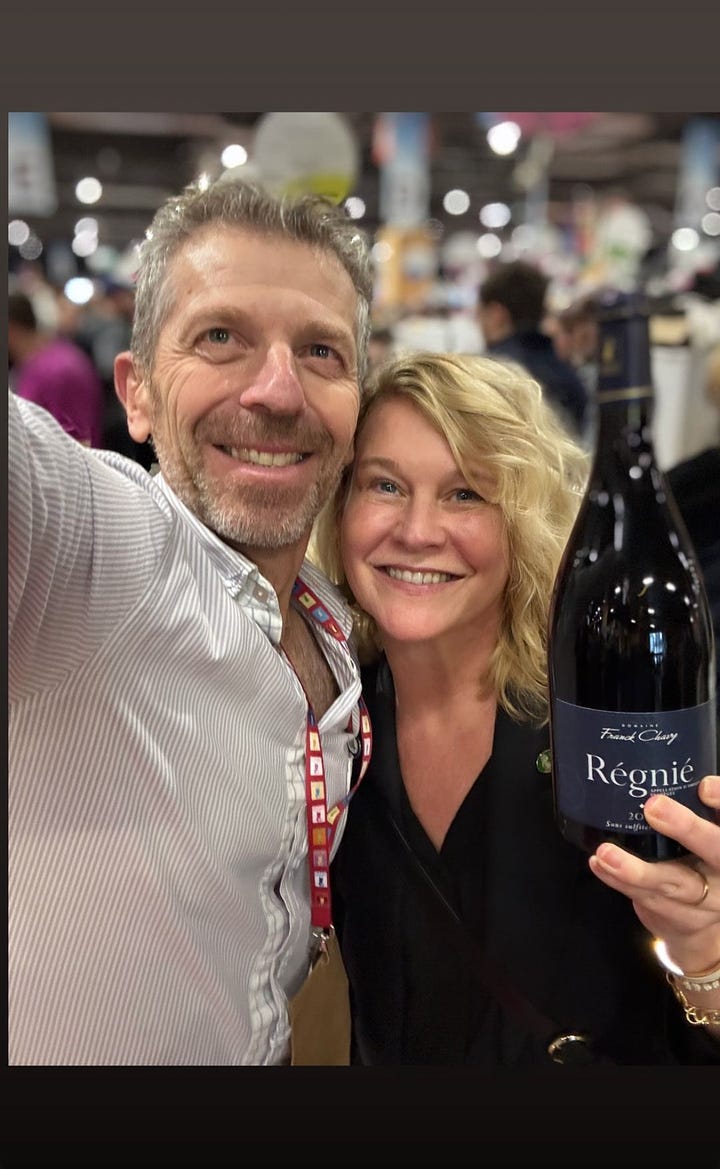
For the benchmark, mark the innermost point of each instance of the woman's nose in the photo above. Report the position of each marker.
(420, 525)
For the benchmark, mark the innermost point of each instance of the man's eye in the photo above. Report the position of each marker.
(218, 335)
(324, 351)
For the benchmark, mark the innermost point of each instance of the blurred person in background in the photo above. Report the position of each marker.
(511, 308)
(575, 336)
(55, 373)
(472, 932)
(380, 346)
(695, 484)
(104, 330)
(185, 710)
(30, 278)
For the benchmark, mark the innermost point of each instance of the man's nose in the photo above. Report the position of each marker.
(275, 385)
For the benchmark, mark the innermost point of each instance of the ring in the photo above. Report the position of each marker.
(705, 889)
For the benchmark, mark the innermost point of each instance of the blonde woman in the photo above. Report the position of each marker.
(470, 930)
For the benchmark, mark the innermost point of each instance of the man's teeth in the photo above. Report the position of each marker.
(264, 458)
(420, 578)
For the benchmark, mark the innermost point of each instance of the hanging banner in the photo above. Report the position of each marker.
(698, 172)
(401, 149)
(31, 176)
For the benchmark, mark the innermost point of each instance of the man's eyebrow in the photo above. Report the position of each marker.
(328, 332)
(220, 314)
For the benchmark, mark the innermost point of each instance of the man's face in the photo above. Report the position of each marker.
(495, 322)
(253, 397)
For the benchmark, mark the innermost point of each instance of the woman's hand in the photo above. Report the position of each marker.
(670, 897)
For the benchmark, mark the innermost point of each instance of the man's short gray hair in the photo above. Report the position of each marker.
(309, 219)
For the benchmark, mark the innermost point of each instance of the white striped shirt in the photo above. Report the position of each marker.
(159, 889)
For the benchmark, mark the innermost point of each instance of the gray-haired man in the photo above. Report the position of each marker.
(162, 671)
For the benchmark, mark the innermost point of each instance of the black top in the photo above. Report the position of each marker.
(695, 484)
(526, 898)
(562, 385)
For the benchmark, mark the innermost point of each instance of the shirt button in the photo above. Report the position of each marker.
(260, 594)
(354, 748)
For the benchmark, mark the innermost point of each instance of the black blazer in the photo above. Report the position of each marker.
(566, 942)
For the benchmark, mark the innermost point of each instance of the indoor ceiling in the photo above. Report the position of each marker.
(143, 157)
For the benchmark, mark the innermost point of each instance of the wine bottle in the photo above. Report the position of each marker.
(630, 642)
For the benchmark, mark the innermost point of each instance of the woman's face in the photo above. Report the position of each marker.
(424, 553)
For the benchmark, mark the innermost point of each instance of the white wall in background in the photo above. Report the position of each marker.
(685, 423)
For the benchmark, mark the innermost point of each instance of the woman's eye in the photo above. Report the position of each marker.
(386, 486)
(467, 495)
(218, 335)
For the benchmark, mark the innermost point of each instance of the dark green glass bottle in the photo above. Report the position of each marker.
(630, 647)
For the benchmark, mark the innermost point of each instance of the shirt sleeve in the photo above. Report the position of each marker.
(84, 543)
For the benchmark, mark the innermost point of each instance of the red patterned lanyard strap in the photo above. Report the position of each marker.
(321, 821)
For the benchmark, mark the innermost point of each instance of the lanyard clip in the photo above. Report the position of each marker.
(319, 942)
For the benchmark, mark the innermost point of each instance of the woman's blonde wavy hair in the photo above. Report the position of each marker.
(491, 413)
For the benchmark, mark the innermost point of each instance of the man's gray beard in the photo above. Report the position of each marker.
(263, 524)
(247, 518)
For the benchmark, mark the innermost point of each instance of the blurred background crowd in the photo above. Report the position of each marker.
(490, 232)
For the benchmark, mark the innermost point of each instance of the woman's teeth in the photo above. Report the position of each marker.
(420, 578)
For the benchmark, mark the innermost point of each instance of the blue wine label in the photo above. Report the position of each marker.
(607, 763)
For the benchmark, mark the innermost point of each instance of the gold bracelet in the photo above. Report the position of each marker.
(698, 1016)
(707, 977)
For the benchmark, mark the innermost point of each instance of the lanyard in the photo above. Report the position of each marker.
(322, 822)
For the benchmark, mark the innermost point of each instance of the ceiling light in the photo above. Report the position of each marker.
(495, 214)
(713, 198)
(711, 223)
(79, 290)
(88, 190)
(456, 202)
(504, 137)
(355, 207)
(489, 245)
(685, 239)
(31, 248)
(18, 232)
(234, 155)
(382, 251)
(86, 224)
(85, 243)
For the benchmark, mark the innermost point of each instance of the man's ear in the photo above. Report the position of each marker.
(131, 389)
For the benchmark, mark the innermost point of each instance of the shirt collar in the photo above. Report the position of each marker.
(242, 577)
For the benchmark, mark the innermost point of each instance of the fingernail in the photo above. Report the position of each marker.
(607, 855)
(656, 805)
(710, 786)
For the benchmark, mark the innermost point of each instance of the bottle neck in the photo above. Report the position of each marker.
(624, 358)
(628, 417)
(624, 390)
